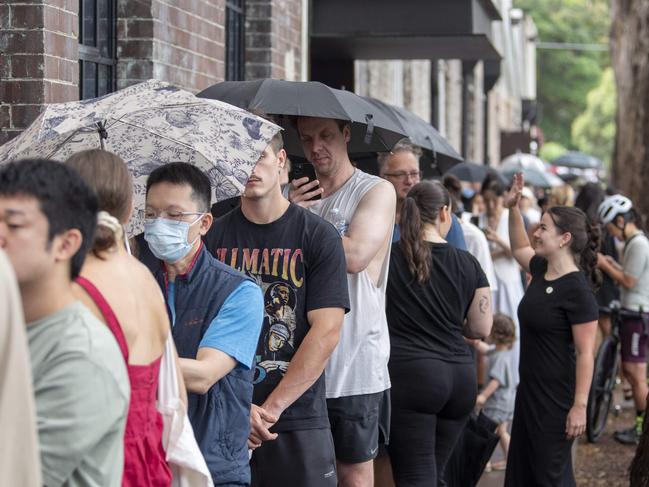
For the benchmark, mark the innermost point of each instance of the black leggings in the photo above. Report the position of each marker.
(431, 402)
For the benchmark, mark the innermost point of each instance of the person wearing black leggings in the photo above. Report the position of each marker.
(436, 296)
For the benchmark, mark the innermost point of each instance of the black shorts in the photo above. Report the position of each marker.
(359, 424)
(302, 457)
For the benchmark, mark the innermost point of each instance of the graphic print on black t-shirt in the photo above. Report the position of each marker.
(280, 274)
(299, 263)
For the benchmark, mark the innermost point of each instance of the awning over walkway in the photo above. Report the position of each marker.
(407, 29)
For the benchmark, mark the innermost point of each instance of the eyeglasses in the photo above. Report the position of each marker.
(176, 216)
(404, 174)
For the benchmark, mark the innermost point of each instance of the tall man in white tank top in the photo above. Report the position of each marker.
(362, 207)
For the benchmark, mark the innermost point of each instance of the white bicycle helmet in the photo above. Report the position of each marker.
(613, 206)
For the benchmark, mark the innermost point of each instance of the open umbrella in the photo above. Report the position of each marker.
(522, 161)
(422, 134)
(578, 160)
(540, 179)
(150, 124)
(473, 173)
(372, 130)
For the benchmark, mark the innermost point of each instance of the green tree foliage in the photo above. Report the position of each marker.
(551, 150)
(565, 77)
(593, 131)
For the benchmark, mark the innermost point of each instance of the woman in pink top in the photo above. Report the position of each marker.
(122, 293)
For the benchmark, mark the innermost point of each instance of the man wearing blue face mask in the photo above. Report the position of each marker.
(216, 315)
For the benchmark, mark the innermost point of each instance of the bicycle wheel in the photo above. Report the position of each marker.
(601, 389)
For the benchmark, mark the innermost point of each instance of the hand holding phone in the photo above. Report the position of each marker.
(304, 188)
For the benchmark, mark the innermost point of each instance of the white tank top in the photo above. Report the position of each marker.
(359, 364)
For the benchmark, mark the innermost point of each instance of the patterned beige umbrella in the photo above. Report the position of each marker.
(150, 124)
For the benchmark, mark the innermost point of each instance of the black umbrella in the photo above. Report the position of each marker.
(578, 160)
(372, 130)
(422, 134)
(474, 173)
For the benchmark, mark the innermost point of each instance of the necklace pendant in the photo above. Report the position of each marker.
(549, 290)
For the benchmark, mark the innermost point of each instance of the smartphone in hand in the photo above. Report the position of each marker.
(301, 170)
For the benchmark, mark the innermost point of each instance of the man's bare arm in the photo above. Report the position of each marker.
(370, 227)
(309, 360)
(616, 272)
(210, 366)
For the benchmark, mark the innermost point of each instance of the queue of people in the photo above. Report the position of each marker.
(313, 339)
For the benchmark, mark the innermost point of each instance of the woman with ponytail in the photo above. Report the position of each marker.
(436, 296)
(123, 294)
(558, 323)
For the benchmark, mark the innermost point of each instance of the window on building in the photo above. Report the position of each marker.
(97, 34)
(235, 41)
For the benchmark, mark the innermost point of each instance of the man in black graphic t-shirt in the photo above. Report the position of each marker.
(298, 260)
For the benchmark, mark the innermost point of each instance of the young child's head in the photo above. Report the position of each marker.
(503, 331)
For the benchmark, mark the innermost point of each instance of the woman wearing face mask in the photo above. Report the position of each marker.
(558, 323)
(436, 296)
(122, 293)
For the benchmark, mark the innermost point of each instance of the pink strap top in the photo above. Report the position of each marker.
(107, 312)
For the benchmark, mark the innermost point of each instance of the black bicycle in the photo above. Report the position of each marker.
(605, 373)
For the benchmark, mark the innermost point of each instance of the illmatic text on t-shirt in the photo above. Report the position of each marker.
(299, 263)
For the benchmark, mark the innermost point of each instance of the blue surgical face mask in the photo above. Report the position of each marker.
(167, 239)
(468, 193)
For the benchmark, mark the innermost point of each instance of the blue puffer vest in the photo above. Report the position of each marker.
(220, 418)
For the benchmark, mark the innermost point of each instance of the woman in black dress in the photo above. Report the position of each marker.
(436, 296)
(558, 322)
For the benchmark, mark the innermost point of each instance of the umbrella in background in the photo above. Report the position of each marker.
(147, 125)
(422, 134)
(522, 161)
(474, 173)
(578, 160)
(534, 177)
(372, 130)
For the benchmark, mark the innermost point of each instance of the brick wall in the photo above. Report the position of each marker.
(273, 39)
(181, 42)
(38, 60)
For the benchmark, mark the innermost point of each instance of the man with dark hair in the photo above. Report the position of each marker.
(222, 207)
(298, 260)
(216, 315)
(47, 221)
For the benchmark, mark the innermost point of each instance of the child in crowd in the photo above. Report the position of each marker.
(497, 398)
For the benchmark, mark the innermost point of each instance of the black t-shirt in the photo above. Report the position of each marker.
(223, 207)
(299, 262)
(546, 314)
(425, 321)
